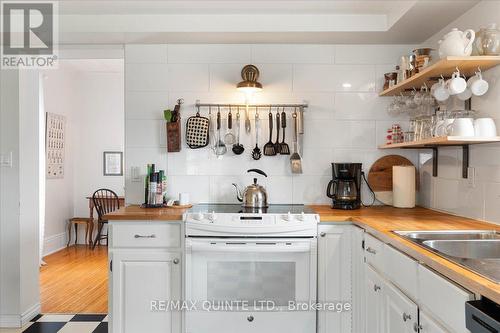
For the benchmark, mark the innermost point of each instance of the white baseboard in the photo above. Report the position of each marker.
(31, 313)
(10, 321)
(17, 321)
(54, 243)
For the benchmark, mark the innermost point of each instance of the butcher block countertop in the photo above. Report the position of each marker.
(135, 212)
(380, 222)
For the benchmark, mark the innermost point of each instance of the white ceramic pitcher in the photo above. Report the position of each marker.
(457, 43)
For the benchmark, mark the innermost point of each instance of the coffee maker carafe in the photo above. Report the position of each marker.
(345, 187)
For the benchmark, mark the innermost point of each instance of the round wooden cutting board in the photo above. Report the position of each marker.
(380, 176)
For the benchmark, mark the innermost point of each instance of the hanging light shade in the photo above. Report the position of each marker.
(250, 75)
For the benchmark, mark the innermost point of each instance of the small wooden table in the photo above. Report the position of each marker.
(91, 205)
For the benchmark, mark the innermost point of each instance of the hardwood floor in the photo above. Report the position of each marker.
(75, 280)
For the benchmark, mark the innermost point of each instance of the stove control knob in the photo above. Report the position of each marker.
(289, 217)
(212, 217)
(198, 216)
(301, 217)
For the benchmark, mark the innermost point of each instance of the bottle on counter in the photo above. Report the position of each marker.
(153, 183)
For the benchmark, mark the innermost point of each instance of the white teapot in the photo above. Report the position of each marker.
(457, 43)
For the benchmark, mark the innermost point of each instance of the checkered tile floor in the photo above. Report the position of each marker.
(79, 323)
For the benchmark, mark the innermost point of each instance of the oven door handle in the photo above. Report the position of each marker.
(245, 247)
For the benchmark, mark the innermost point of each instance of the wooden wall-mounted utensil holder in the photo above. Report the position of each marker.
(174, 137)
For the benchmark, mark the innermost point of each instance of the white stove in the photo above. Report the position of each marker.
(235, 221)
(251, 257)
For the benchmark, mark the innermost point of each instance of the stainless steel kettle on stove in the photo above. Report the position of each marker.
(254, 195)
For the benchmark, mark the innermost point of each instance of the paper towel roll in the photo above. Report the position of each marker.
(403, 186)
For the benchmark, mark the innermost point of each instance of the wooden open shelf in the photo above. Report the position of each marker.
(435, 143)
(445, 67)
(442, 141)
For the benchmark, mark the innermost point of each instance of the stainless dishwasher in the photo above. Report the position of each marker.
(482, 316)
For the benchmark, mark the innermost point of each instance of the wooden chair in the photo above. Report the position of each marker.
(89, 228)
(105, 201)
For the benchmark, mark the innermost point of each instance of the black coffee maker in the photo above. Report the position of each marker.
(345, 187)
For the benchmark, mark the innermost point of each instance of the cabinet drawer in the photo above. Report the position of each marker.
(401, 270)
(444, 299)
(147, 235)
(374, 252)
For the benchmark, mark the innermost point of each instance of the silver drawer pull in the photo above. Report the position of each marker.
(323, 234)
(370, 250)
(406, 316)
(145, 236)
(176, 261)
(376, 288)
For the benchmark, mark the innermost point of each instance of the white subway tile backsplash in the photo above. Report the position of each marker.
(371, 54)
(146, 104)
(183, 77)
(198, 188)
(146, 77)
(292, 54)
(353, 134)
(310, 189)
(334, 78)
(209, 53)
(340, 122)
(362, 106)
(145, 133)
(492, 202)
(145, 53)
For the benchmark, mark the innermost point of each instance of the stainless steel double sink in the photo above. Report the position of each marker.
(477, 250)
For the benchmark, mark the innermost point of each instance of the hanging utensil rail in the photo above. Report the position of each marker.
(252, 106)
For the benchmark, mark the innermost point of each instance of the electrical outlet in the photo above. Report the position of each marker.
(471, 177)
(6, 160)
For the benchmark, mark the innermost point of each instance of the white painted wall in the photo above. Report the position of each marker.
(449, 192)
(341, 125)
(19, 290)
(91, 97)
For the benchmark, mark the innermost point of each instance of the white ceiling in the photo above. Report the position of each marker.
(255, 21)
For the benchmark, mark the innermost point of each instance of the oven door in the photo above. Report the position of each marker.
(250, 283)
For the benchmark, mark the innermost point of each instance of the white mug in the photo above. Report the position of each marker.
(485, 127)
(461, 127)
(456, 84)
(183, 199)
(477, 84)
(439, 91)
(465, 95)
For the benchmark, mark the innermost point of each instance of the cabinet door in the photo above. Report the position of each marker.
(429, 325)
(401, 314)
(138, 280)
(358, 281)
(334, 276)
(374, 304)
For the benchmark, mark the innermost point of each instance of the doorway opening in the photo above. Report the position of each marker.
(83, 106)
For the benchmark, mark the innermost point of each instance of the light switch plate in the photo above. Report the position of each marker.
(135, 173)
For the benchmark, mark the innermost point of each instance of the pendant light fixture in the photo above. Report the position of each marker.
(249, 85)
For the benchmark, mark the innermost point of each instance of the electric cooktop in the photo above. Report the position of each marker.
(236, 209)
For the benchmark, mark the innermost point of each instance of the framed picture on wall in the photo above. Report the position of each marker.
(113, 163)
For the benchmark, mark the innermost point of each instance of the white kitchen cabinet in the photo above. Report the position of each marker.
(429, 325)
(374, 301)
(358, 280)
(334, 276)
(443, 298)
(401, 313)
(138, 279)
